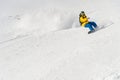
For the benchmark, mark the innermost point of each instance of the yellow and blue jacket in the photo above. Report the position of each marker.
(83, 20)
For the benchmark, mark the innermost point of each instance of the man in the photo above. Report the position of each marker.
(85, 23)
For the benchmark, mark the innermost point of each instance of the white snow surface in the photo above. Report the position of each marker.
(43, 40)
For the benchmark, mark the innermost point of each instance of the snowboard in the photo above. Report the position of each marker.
(96, 29)
(100, 27)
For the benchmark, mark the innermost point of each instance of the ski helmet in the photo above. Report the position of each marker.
(82, 13)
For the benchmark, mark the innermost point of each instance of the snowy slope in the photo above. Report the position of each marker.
(42, 40)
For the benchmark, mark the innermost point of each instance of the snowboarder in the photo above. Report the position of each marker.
(85, 23)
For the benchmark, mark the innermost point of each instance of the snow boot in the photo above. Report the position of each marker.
(91, 31)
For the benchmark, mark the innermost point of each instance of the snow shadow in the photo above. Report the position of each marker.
(46, 21)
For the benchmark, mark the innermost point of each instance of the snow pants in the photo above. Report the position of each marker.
(91, 25)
